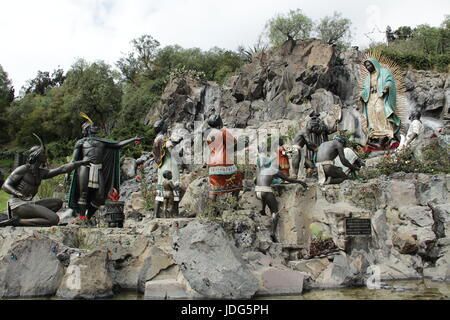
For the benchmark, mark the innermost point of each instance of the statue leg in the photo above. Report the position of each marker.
(51, 203)
(35, 216)
(83, 179)
(296, 159)
(157, 209)
(175, 209)
(334, 174)
(263, 205)
(272, 202)
(98, 197)
(236, 198)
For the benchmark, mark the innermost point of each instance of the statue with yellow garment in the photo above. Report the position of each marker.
(165, 159)
(91, 183)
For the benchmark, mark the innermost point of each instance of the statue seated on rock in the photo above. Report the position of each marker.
(328, 151)
(266, 173)
(23, 185)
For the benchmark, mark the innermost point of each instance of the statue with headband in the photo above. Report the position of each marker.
(23, 185)
(91, 183)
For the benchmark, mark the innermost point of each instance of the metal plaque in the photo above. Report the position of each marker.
(358, 227)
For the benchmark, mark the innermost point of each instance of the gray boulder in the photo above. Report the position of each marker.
(30, 268)
(211, 264)
(86, 277)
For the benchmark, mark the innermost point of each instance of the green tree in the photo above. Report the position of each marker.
(403, 33)
(141, 59)
(92, 88)
(334, 29)
(44, 81)
(291, 26)
(6, 97)
(446, 23)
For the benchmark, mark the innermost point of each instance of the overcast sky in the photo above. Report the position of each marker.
(47, 34)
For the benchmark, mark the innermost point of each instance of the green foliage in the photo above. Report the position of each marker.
(435, 161)
(423, 48)
(131, 130)
(3, 200)
(44, 81)
(291, 26)
(91, 88)
(214, 209)
(148, 190)
(6, 163)
(335, 30)
(316, 231)
(49, 187)
(6, 97)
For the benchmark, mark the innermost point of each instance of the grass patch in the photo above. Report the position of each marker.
(6, 163)
(3, 200)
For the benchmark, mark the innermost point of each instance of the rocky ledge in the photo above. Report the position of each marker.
(234, 257)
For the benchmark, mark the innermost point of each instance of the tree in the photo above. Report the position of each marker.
(6, 97)
(403, 33)
(334, 29)
(44, 81)
(91, 88)
(446, 23)
(6, 90)
(292, 26)
(140, 60)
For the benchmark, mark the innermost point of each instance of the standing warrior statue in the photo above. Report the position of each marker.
(23, 185)
(91, 183)
(165, 161)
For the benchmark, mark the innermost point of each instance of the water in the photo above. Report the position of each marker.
(396, 290)
(399, 290)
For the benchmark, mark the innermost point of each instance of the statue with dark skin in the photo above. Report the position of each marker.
(92, 152)
(328, 151)
(312, 136)
(264, 178)
(300, 140)
(24, 182)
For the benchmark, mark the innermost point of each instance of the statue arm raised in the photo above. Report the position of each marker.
(65, 168)
(126, 142)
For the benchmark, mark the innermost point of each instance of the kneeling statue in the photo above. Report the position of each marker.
(23, 185)
(328, 172)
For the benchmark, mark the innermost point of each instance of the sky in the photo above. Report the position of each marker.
(49, 34)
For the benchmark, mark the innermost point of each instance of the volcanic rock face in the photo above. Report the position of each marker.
(211, 264)
(30, 267)
(288, 83)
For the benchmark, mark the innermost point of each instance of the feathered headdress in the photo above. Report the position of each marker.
(86, 124)
(36, 151)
